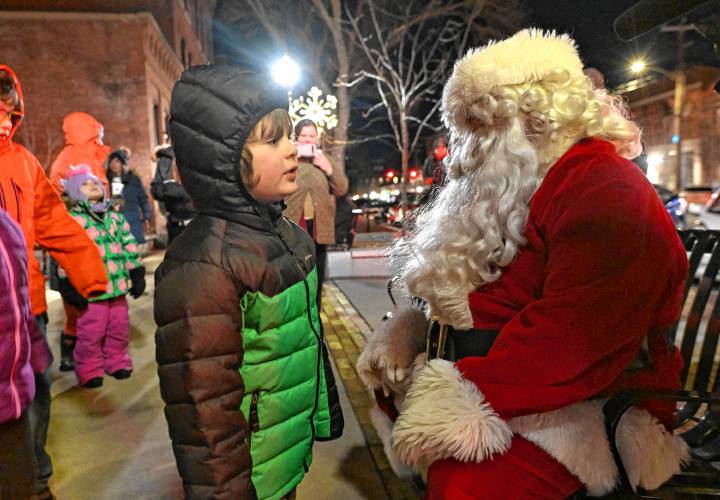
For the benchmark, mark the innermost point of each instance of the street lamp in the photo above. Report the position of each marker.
(638, 66)
(678, 76)
(285, 72)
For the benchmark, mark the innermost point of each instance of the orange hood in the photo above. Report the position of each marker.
(80, 128)
(16, 123)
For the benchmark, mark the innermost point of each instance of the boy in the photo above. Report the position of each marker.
(243, 366)
(27, 196)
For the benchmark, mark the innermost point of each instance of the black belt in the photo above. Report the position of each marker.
(444, 341)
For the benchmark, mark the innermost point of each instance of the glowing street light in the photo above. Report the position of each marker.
(638, 66)
(285, 72)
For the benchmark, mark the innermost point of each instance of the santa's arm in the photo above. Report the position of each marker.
(615, 267)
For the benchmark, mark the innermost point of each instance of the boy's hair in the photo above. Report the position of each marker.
(272, 126)
(8, 91)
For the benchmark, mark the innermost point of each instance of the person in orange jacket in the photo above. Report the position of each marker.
(28, 197)
(83, 145)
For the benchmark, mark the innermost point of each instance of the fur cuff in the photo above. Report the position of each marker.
(392, 348)
(575, 436)
(446, 416)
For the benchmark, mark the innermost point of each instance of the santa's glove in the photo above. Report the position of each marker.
(137, 278)
(70, 295)
(387, 360)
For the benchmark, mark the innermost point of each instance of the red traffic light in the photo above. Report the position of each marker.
(390, 174)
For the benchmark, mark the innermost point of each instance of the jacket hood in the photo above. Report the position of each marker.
(18, 88)
(80, 128)
(213, 110)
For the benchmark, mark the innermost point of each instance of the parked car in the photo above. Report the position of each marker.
(396, 213)
(674, 204)
(710, 214)
(696, 198)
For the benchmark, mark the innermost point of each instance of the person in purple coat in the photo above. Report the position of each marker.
(18, 330)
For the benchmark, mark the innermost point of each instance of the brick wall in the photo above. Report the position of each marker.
(77, 63)
(652, 108)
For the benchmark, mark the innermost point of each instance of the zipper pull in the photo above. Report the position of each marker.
(254, 421)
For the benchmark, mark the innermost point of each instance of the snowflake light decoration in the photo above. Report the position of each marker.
(315, 108)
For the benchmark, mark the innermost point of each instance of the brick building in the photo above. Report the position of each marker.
(651, 105)
(116, 60)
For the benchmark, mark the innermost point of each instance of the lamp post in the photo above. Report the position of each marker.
(286, 73)
(678, 76)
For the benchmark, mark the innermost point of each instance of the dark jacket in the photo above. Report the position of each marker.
(136, 206)
(178, 205)
(228, 285)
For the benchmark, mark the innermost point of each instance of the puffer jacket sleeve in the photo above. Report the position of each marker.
(199, 353)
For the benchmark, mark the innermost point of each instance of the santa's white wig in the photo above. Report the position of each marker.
(512, 109)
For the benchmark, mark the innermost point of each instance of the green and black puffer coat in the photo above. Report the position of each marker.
(242, 363)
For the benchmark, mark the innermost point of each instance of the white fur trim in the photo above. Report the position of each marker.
(384, 426)
(445, 415)
(575, 436)
(528, 56)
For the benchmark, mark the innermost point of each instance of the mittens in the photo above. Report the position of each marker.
(137, 277)
(70, 295)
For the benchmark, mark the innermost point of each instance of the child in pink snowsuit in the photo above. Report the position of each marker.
(103, 325)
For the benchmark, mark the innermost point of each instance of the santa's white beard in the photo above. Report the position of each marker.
(474, 227)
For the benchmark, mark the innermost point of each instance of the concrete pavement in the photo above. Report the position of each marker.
(113, 443)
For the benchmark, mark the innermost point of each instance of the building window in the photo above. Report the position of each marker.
(156, 123)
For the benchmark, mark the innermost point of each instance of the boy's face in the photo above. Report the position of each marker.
(6, 120)
(91, 189)
(274, 168)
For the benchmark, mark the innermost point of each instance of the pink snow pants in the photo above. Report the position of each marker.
(102, 339)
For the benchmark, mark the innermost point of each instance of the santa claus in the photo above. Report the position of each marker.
(551, 272)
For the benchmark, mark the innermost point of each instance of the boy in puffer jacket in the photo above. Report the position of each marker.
(103, 324)
(242, 360)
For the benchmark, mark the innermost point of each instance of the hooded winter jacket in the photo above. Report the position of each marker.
(82, 146)
(28, 197)
(17, 383)
(242, 364)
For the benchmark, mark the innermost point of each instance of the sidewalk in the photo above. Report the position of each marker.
(113, 443)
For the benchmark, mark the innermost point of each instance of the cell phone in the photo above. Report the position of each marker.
(306, 150)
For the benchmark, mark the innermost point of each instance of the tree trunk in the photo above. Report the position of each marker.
(405, 138)
(343, 99)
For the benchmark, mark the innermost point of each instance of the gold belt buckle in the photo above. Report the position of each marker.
(435, 343)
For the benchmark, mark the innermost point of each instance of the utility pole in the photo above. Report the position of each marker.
(679, 100)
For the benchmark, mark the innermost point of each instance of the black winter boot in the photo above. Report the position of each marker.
(67, 346)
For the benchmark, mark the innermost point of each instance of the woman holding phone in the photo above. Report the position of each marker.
(312, 206)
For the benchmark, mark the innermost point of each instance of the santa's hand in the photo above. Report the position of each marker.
(389, 354)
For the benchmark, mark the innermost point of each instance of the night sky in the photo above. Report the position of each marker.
(590, 22)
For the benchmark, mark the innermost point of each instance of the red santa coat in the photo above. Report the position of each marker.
(601, 274)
